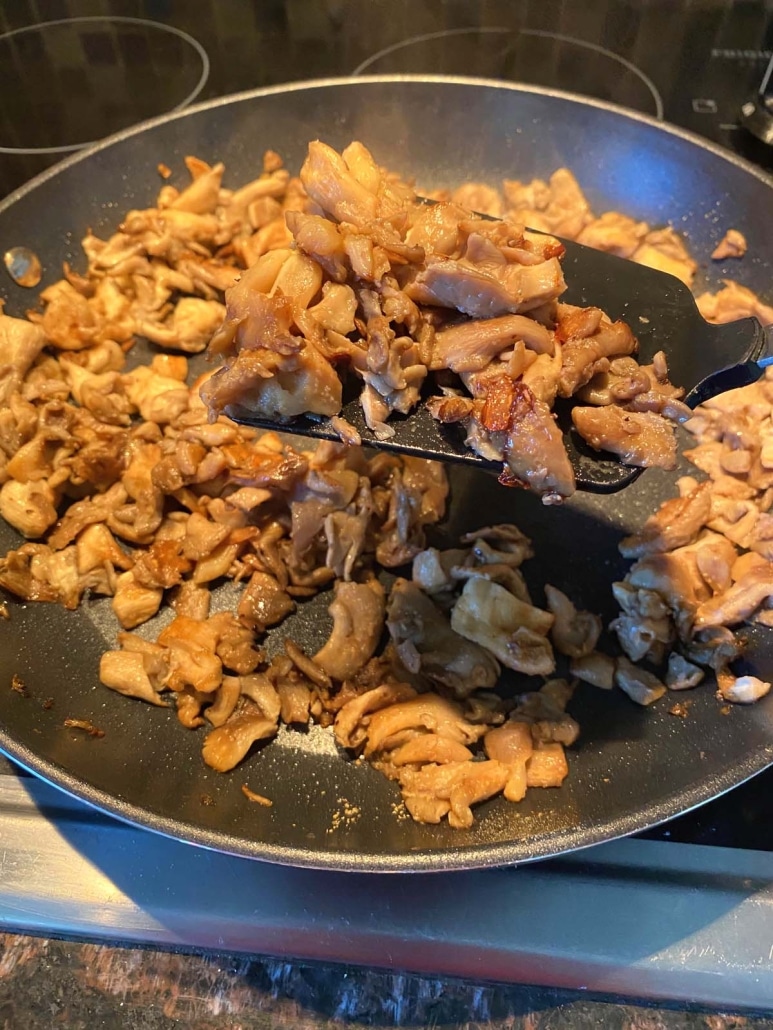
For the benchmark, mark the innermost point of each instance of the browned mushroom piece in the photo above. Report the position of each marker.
(226, 745)
(547, 766)
(264, 603)
(425, 713)
(435, 791)
(665, 250)
(225, 701)
(512, 744)
(574, 633)
(425, 643)
(512, 630)
(358, 619)
(596, 668)
(352, 721)
(125, 672)
(739, 601)
(29, 507)
(677, 522)
(643, 439)
(732, 245)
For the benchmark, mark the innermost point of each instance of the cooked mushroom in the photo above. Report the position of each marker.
(125, 672)
(641, 686)
(29, 507)
(739, 601)
(637, 438)
(351, 723)
(429, 748)
(426, 643)
(596, 668)
(547, 766)
(264, 603)
(358, 619)
(512, 745)
(133, 603)
(732, 245)
(434, 791)
(134, 492)
(676, 523)
(681, 674)
(427, 712)
(512, 630)
(743, 690)
(573, 633)
(225, 701)
(227, 745)
(260, 690)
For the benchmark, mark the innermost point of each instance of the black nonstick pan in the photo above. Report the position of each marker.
(632, 767)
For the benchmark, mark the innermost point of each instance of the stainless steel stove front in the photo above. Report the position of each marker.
(643, 918)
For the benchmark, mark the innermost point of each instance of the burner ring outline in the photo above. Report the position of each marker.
(504, 30)
(70, 148)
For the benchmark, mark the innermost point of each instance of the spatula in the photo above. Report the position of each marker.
(706, 359)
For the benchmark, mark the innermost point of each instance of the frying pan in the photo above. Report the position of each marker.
(632, 767)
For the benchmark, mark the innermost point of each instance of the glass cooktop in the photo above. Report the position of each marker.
(72, 71)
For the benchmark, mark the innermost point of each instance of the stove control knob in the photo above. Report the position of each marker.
(756, 115)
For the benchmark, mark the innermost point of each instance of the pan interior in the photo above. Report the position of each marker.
(632, 767)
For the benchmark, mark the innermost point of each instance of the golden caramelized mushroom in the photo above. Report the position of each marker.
(353, 719)
(225, 701)
(125, 672)
(513, 631)
(226, 746)
(358, 619)
(427, 712)
(264, 603)
(29, 507)
(133, 603)
(643, 439)
(512, 745)
(547, 766)
(676, 523)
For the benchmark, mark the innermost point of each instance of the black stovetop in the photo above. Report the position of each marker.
(76, 70)
(72, 71)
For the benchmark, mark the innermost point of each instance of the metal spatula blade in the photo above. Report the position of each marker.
(662, 314)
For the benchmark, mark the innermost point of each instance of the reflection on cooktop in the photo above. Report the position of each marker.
(77, 80)
(534, 56)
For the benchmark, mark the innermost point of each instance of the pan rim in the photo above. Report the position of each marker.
(446, 858)
(441, 860)
(338, 81)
